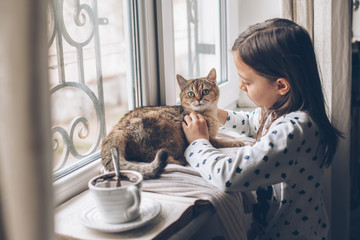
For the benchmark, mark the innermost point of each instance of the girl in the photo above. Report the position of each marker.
(295, 139)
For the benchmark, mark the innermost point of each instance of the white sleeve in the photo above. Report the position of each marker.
(243, 122)
(270, 160)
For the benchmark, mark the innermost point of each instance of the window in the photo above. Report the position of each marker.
(200, 37)
(106, 57)
(90, 83)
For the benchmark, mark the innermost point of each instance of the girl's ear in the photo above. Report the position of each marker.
(283, 86)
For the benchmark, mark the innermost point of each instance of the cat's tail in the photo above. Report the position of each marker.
(156, 167)
(148, 170)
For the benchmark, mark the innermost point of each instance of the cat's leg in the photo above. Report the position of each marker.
(219, 143)
(176, 152)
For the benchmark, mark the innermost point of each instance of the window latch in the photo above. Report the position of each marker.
(103, 21)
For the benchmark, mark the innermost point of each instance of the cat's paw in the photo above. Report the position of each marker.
(181, 162)
(238, 144)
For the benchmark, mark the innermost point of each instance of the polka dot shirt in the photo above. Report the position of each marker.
(287, 157)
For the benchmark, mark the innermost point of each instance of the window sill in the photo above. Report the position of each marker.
(180, 218)
(76, 182)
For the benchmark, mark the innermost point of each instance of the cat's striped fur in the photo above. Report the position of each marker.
(154, 136)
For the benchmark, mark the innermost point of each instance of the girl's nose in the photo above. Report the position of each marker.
(242, 86)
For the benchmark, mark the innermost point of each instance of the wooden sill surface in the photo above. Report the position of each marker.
(176, 213)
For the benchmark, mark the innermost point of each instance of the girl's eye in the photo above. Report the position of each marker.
(205, 92)
(191, 94)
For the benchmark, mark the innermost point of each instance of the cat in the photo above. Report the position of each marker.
(154, 135)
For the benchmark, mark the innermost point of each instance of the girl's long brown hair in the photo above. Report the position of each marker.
(279, 48)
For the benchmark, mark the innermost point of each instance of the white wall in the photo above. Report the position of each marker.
(254, 11)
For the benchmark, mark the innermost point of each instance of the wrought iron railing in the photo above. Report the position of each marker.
(84, 15)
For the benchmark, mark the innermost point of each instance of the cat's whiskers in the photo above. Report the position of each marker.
(201, 102)
(201, 106)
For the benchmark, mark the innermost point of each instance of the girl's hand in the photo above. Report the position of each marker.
(195, 127)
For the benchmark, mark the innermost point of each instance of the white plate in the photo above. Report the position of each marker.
(90, 217)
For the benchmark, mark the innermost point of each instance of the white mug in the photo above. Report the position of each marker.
(117, 204)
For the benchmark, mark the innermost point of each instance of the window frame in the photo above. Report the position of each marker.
(229, 91)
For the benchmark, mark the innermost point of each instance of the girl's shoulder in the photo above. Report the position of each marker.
(298, 116)
(298, 119)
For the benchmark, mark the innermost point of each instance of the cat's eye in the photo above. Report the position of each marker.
(205, 92)
(191, 94)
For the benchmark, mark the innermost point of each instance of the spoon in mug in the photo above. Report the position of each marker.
(115, 160)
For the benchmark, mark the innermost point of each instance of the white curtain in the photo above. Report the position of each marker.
(329, 23)
(25, 144)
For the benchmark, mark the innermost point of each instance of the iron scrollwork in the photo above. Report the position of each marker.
(84, 15)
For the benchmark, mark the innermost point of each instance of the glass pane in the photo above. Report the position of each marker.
(87, 76)
(197, 36)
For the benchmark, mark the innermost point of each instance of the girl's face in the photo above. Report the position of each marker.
(259, 89)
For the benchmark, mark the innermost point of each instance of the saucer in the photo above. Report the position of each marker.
(90, 217)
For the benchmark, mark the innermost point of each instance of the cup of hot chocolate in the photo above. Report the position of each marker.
(117, 200)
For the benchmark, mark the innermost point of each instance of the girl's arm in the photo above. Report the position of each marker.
(241, 122)
(272, 159)
(195, 127)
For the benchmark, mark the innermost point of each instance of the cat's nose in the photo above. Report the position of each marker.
(198, 98)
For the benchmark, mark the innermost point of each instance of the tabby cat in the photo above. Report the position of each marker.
(154, 135)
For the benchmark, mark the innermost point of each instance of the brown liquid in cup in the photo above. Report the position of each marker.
(110, 181)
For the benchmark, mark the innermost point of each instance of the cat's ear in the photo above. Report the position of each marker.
(181, 81)
(212, 76)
